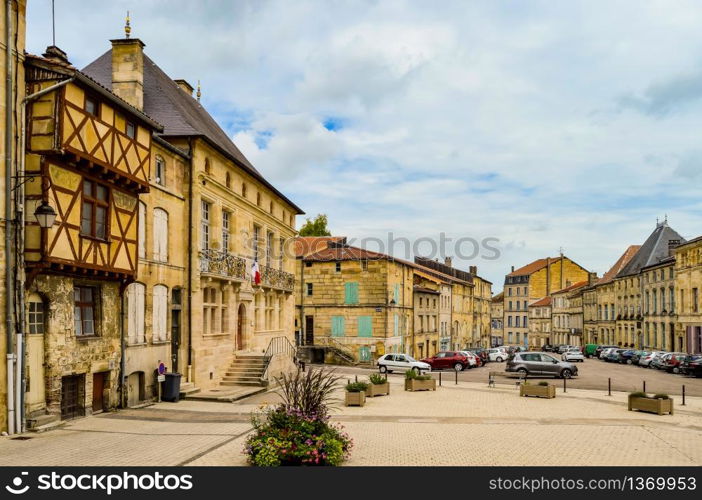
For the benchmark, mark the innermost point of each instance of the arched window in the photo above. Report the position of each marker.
(160, 235)
(36, 316)
(135, 313)
(160, 314)
(142, 230)
(160, 171)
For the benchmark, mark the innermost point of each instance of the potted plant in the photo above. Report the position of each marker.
(416, 382)
(356, 393)
(379, 386)
(297, 431)
(659, 403)
(542, 390)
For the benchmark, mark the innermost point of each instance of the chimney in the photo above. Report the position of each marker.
(671, 246)
(591, 278)
(448, 261)
(473, 270)
(512, 268)
(54, 54)
(187, 88)
(128, 70)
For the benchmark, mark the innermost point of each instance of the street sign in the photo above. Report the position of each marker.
(161, 369)
(161, 378)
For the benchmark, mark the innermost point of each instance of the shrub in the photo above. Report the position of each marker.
(356, 387)
(638, 394)
(297, 431)
(543, 383)
(413, 375)
(377, 379)
(423, 377)
(661, 396)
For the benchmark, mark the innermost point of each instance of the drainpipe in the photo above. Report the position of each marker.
(9, 289)
(190, 261)
(302, 302)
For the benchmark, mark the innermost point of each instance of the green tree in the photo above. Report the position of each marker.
(315, 227)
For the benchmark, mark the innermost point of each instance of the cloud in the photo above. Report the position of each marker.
(663, 98)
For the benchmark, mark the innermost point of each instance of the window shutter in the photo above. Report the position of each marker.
(142, 230)
(160, 312)
(160, 235)
(396, 327)
(338, 326)
(351, 292)
(365, 326)
(140, 312)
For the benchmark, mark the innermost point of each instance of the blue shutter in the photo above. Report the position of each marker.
(365, 326)
(396, 326)
(337, 329)
(398, 299)
(351, 292)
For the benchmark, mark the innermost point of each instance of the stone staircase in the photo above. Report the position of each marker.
(246, 369)
(188, 389)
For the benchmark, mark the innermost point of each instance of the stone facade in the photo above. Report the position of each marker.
(567, 315)
(497, 317)
(659, 309)
(482, 299)
(426, 332)
(688, 283)
(540, 323)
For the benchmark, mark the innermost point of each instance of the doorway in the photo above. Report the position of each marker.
(240, 325)
(309, 330)
(72, 396)
(99, 380)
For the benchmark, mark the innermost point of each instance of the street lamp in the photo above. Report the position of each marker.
(45, 214)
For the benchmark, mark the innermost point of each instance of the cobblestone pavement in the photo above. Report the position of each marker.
(464, 424)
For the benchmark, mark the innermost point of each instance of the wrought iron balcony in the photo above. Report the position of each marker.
(275, 278)
(223, 264)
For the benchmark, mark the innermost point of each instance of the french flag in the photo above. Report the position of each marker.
(256, 273)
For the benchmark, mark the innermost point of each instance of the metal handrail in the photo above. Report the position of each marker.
(277, 346)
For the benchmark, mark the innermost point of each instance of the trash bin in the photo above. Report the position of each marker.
(170, 390)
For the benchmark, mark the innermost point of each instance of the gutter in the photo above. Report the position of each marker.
(9, 290)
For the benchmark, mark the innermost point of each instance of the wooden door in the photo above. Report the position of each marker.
(72, 396)
(98, 391)
(240, 324)
(309, 330)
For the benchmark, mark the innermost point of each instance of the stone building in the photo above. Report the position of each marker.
(235, 218)
(11, 60)
(534, 281)
(482, 299)
(659, 308)
(629, 296)
(497, 317)
(92, 151)
(567, 314)
(688, 283)
(427, 303)
(540, 323)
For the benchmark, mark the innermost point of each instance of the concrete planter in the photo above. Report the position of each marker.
(355, 398)
(378, 390)
(659, 406)
(539, 391)
(420, 385)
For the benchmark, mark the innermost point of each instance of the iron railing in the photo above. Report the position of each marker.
(222, 264)
(275, 278)
(278, 346)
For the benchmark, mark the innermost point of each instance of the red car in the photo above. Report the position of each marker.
(448, 359)
(673, 363)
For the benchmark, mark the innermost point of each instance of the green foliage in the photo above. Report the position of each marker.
(309, 393)
(377, 379)
(661, 396)
(638, 394)
(316, 226)
(543, 383)
(413, 375)
(356, 387)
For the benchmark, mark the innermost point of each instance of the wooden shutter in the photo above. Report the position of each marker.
(396, 326)
(351, 292)
(338, 326)
(160, 235)
(160, 305)
(142, 230)
(365, 326)
(135, 313)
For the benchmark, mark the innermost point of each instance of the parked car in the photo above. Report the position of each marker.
(547, 348)
(661, 361)
(625, 356)
(448, 359)
(601, 348)
(692, 365)
(612, 355)
(401, 363)
(539, 363)
(482, 355)
(637, 357)
(645, 361)
(605, 352)
(473, 360)
(589, 350)
(672, 363)
(496, 354)
(573, 355)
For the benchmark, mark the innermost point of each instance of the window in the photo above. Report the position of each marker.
(135, 313)
(337, 327)
(695, 300)
(365, 326)
(35, 316)
(228, 180)
(142, 230)
(270, 207)
(84, 310)
(160, 171)
(93, 219)
(91, 106)
(281, 249)
(258, 199)
(225, 231)
(204, 225)
(269, 248)
(243, 189)
(257, 232)
(338, 267)
(160, 235)
(351, 292)
(364, 265)
(160, 314)
(130, 130)
(310, 289)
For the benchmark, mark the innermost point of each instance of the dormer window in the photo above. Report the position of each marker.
(130, 130)
(91, 106)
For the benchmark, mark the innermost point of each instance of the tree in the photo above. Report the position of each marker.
(315, 227)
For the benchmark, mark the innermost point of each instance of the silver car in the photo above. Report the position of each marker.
(540, 363)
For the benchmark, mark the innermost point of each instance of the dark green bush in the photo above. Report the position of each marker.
(377, 379)
(356, 387)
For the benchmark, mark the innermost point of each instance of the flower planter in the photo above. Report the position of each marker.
(420, 385)
(539, 391)
(659, 406)
(355, 398)
(378, 390)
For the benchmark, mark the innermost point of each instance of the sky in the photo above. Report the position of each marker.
(524, 127)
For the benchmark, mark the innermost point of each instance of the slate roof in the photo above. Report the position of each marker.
(653, 251)
(180, 114)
